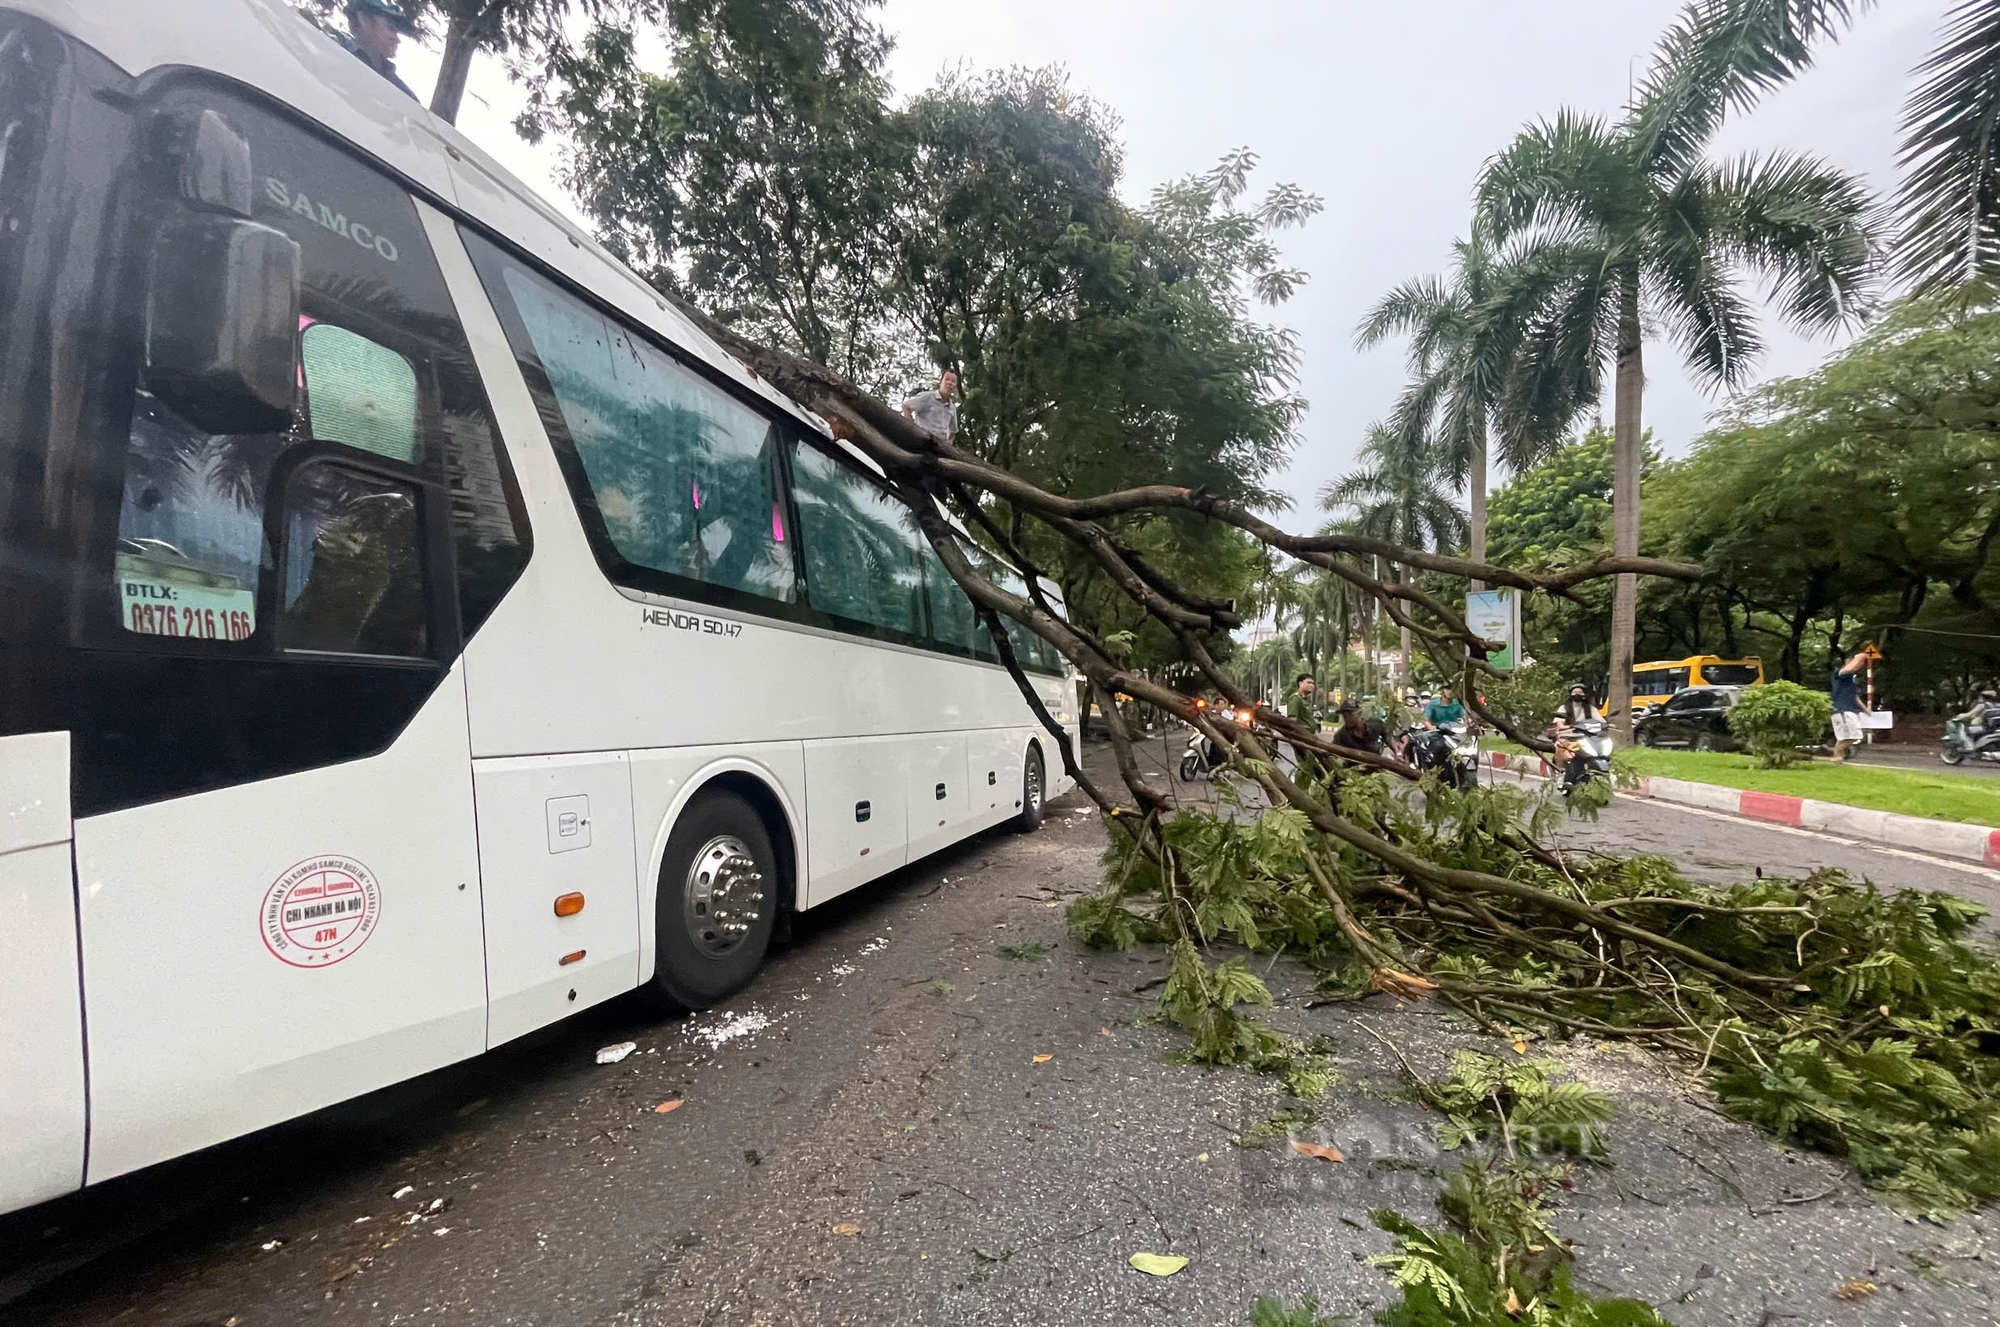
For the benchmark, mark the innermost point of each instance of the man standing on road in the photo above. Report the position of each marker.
(1303, 707)
(936, 412)
(376, 28)
(1847, 706)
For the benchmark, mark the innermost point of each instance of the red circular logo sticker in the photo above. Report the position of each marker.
(321, 911)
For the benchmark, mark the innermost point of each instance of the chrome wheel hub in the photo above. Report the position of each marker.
(1034, 786)
(724, 897)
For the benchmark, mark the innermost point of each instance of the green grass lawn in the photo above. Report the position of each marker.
(1969, 799)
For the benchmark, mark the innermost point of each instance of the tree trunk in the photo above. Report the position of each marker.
(1476, 496)
(1631, 385)
(1346, 646)
(1406, 578)
(1370, 682)
(459, 45)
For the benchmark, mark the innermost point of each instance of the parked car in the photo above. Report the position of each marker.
(1696, 718)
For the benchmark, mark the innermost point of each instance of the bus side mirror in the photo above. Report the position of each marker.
(222, 322)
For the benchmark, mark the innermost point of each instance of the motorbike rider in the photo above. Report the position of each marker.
(1982, 714)
(1575, 709)
(1444, 708)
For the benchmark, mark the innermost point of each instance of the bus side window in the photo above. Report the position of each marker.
(674, 478)
(952, 618)
(860, 550)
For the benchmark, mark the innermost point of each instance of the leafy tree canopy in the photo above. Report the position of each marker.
(1867, 493)
(765, 173)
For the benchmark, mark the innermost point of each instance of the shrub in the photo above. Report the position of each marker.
(1776, 719)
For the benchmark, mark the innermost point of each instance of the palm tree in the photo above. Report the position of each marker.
(1400, 495)
(1948, 208)
(1459, 355)
(1624, 228)
(1948, 205)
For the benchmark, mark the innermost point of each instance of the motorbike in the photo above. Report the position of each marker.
(1974, 735)
(1592, 758)
(1452, 749)
(1202, 757)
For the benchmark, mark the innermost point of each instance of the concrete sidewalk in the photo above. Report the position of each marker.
(1944, 838)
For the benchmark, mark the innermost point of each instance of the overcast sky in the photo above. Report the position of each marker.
(1387, 111)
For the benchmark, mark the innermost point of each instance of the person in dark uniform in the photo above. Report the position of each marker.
(375, 28)
(1358, 732)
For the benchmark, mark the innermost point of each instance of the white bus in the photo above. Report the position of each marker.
(411, 630)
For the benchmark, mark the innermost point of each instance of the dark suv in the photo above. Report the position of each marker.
(1694, 717)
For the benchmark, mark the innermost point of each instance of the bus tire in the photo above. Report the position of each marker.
(1034, 790)
(718, 902)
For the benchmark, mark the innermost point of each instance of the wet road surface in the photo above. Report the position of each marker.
(867, 1136)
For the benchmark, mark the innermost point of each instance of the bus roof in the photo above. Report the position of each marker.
(1703, 659)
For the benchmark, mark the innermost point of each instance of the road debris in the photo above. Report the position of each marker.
(665, 1106)
(1158, 1264)
(613, 1054)
(730, 1028)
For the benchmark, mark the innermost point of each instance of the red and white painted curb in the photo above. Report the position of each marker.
(1945, 838)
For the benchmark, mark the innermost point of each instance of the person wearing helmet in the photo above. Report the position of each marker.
(375, 28)
(1575, 708)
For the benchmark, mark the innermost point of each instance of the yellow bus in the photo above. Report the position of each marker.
(1653, 683)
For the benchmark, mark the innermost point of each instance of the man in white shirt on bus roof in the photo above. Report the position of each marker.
(936, 412)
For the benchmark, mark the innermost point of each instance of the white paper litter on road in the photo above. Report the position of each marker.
(405, 1191)
(731, 1028)
(613, 1054)
(844, 969)
(876, 946)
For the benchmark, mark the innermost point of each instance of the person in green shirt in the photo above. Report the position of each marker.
(1444, 708)
(1303, 707)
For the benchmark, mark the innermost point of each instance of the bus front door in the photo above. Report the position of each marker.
(41, 1033)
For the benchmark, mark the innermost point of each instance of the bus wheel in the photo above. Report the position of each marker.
(1032, 788)
(718, 899)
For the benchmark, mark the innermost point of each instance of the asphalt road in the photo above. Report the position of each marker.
(1922, 758)
(867, 1137)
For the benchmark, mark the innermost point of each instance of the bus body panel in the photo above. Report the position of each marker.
(551, 826)
(216, 1006)
(993, 766)
(41, 1003)
(857, 821)
(664, 781)
(939, 792)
